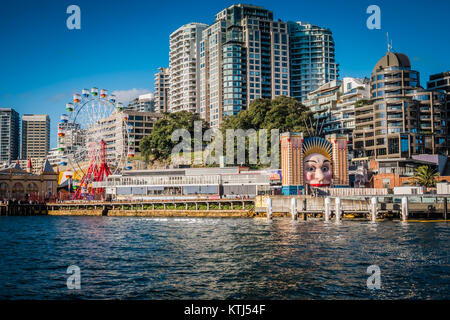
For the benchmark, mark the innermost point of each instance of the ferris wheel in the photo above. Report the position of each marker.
(94, 138)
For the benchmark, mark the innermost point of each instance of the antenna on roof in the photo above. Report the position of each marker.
(389, 45)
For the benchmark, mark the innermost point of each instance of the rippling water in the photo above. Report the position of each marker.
(148, 258)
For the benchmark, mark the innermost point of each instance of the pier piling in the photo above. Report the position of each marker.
(269, 208)
(405, 212)
(445, 208)
(338, 209)
(327, 208)
(374, 209)
(294, 212)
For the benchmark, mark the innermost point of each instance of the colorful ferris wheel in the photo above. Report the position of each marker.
(94, 138)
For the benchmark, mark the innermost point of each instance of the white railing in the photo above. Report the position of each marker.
(159, 181)
(355, 191)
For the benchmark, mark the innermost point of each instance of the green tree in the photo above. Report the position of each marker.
(424, 176)
(283, 113)
(158, 145)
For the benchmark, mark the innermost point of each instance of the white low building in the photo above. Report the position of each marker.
(230, 182)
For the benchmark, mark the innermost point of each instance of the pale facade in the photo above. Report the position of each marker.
(184, 68)
(35, 136)
(162, 90)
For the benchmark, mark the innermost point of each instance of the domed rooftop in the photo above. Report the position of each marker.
(392, 59)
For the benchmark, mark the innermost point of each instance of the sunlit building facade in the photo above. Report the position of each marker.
(184, 68)
(402, 119)
(312, 58)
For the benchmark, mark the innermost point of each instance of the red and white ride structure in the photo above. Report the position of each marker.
(94, 140)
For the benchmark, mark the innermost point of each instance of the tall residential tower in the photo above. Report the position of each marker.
(162, 90)
(184, 68)
(245, 56)
(312, 58)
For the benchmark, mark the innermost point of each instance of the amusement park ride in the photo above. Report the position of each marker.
(88, 143)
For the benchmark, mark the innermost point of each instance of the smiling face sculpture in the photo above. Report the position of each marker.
(317, 166)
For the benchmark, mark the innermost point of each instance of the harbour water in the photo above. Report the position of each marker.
(199, 258)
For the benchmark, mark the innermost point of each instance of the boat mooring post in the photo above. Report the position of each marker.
(305, 206)
(327, 208)
(374, 209)
(294, 212)
(445, 208)
(405, 208)
(269, 208)
(338, 209)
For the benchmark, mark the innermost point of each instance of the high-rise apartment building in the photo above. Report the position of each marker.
(342, 115)
(211, 73)
(35, 136)
(143, 103)
(402, 119)
(334, 104)
(440, 81)
(245, 56)
(312, 58)
(324, 99)
(9, 134)
(184, 68)
(162, 90)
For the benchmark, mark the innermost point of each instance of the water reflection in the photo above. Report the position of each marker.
(194, 258)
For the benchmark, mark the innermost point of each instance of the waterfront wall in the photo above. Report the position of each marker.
(158, 213)
(23, 209)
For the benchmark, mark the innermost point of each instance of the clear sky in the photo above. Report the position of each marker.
(122, 43)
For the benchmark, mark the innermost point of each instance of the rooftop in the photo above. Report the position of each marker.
(392, 59)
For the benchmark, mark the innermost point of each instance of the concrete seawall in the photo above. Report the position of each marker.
(158, 213)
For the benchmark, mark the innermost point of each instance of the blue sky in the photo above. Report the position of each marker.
(121, 44)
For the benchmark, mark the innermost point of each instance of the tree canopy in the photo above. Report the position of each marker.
(283, 113)
(158, 145)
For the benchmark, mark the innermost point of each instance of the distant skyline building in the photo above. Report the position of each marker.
(312, 58)
(35, 136)
(184, 68)
(9, 134)
(162, 90)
